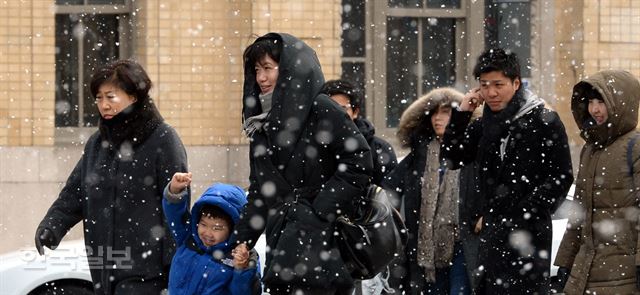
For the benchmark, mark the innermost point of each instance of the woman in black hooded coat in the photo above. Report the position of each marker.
(308, 163)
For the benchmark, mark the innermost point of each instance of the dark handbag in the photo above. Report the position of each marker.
(375, 236)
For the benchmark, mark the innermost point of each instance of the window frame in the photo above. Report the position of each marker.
(465, 20)
(80, 133)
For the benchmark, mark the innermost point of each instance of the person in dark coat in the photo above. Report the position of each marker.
(351, 100)
(308, 164)
(429, 191)
(116, 187)
(203, 264)
(522, 152)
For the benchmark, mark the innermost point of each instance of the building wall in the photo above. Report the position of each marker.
(26, 73)
(192, 50)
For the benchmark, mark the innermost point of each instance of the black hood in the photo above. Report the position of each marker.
(300, 79)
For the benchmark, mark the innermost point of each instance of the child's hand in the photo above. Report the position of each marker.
(179, 182)
(240, 256)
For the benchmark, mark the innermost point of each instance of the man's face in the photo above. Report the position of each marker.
(345, 103)
(497, 90)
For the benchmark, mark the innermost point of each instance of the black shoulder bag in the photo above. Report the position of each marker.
(375, 236)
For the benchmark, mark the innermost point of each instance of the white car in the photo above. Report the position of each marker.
(64, 270)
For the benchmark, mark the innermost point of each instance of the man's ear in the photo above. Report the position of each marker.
(517, 83)
(356, 112)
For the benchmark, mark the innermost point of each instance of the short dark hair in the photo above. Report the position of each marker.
(215, 212)
(271, 47)
(497, 59)
(127, 75)
(333, 87)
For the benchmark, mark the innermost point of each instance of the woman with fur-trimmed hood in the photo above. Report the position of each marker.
(429, 198)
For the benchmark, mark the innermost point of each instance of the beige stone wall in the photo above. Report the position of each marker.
(193, 52)
(27, 73)
(191, 48)
(612, 35)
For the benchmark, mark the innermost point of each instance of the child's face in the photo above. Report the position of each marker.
(266, 74)
(598, 110)
(212, 230)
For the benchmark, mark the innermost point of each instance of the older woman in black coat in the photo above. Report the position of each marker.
(308, 162)
(116, 187)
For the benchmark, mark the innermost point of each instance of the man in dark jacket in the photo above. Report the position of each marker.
(350, 99)
(308, 163)
(525, 172)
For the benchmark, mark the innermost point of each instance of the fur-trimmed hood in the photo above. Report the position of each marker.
(416, 119)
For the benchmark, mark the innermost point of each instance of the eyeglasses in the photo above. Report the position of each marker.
(215, 228)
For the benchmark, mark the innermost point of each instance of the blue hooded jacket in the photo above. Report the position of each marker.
(195, 268)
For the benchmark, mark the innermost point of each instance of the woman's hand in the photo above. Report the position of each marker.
(240, 256)
(179, 182)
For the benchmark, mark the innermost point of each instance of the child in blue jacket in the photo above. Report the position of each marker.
(202, 264)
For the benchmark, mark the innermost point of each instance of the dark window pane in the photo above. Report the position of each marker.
(443, 3)
(83, 43)
(402, 61)
(69, 2)
(354, 73)
(406, 3)
(353, 41)
(508, 25)
(438, 53)
(101, 2)
(66, 71)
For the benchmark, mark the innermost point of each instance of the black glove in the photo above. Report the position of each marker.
(563, 276)
(638, 277)
(44, 237)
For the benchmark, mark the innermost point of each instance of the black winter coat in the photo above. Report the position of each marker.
(406, 180)
(117, 194)
(521, 187)
(384, 157)
(306, 169)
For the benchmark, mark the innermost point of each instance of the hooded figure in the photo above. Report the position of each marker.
(197, 268)
(116, 187)
(308, 163)
(600, 245)
(429, 194)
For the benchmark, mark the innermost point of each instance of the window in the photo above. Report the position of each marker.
(508, 25)
(353, 45)
(424, 48)
(421, 56)
(88, 34)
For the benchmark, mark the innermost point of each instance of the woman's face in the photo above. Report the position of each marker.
(266, 74)
(598, 110)
(111, 100)
(440, 120)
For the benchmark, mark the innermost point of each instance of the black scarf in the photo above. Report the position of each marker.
(134, 124)
(495, 125)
